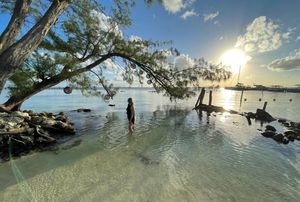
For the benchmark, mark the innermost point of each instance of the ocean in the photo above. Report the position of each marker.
(174, 154)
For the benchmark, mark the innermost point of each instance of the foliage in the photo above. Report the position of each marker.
(87, 40)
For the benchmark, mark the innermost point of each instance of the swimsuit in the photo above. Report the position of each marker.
(128, 111)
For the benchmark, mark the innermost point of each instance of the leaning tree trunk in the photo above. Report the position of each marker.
(12, 58)
(14, 102)
(10, 34)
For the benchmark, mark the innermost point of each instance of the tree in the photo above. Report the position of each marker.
(14, 51)
(81, 48)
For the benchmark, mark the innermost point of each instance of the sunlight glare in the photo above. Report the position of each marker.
(234, 58)
(228, 102)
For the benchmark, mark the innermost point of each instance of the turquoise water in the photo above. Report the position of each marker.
(175, 154)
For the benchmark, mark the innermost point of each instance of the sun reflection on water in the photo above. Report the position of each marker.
(227, 99)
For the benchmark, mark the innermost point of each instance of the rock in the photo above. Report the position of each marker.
(38, 119)
(278, 137)
(291, 135)
(297, 125)
(61, 114)
(293, 124)
(250, 115)
(268, 133)
(270, 128)
(281, 120)
(285, 140)
(61, 118)
(286, 124)
(27, 131)
(21, 114)
(84, 110)
(263, 116)
(111, 105)
(65, 128)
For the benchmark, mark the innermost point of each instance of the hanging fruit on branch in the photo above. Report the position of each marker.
(68, 90)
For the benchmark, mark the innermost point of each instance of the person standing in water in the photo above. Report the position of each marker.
(130, 114)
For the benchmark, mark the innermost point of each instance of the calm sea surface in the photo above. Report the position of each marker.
(175, 154)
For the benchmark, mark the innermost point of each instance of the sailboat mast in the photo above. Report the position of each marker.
(238, 81)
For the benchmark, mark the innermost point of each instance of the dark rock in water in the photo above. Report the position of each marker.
(285, 140)
(281, 120)
(293, 124)
(111, 105)
(286, 124)
(263, 116)
(291, 135)
(24, 131)
(268, 133)
(84, 110)
(146, 160)
(251, 115)
(73, 144)
(278, 137)
(270, 128)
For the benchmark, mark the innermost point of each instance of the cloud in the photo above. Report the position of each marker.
(174, 6)
(288, 63)
(134, 38)
(210, 16)
(105, 23)
(189, 14)
(183, 61)
(110, 65)
(262, 35)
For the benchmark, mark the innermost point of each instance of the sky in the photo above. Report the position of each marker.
(266, 31)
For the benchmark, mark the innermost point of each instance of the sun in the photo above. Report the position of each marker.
(234, 58)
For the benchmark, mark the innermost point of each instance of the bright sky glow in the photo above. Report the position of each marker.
(235, 59)
(267, 39)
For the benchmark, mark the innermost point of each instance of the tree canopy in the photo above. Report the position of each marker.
(88, 42)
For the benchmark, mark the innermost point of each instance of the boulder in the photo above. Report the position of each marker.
(268, 133)
(62, 118)
(278, 137)
(263, 116)
(293, 124)
(285, 140)
(286, 124)
(83, 110)
(281, 120)
(270, 128)
(291, 135)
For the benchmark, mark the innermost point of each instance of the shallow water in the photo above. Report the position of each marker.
(175, 154)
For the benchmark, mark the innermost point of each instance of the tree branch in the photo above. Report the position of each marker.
(10, 34)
